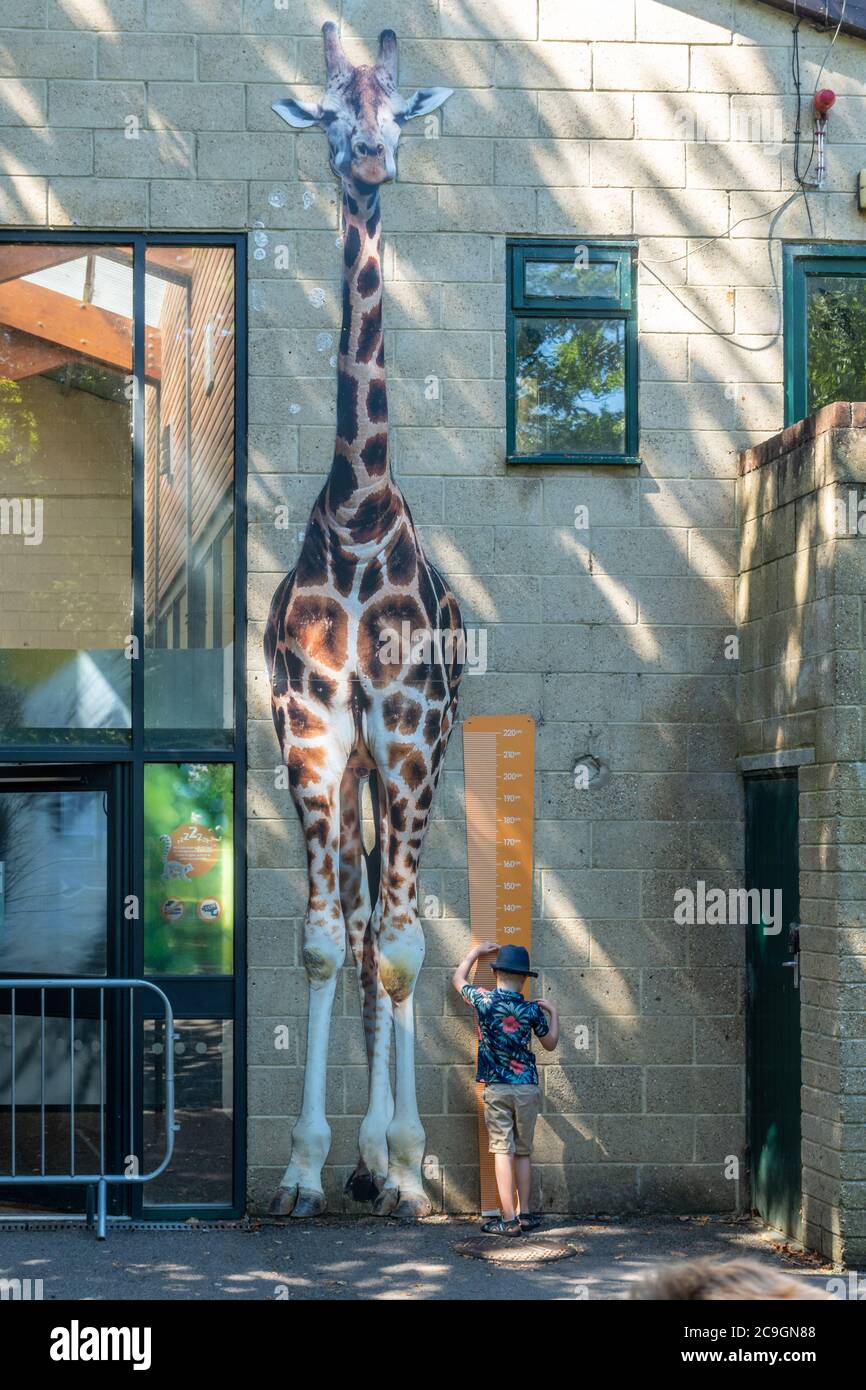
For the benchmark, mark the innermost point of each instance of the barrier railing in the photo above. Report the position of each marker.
(96, 1182)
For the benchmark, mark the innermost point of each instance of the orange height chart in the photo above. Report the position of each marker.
(499, 772)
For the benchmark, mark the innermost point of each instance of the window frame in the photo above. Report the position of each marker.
(799, 260)
(219, 997)
(520, 305)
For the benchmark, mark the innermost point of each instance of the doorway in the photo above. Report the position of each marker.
(773, 1002)
(58, 876)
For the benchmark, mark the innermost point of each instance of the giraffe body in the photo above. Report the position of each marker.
(364, 646)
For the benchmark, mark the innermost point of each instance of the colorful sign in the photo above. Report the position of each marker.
(189, 869)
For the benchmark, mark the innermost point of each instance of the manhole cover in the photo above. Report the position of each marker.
(517, 1250)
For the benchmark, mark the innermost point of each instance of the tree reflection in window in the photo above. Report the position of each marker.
(836, 342)
(570, 385)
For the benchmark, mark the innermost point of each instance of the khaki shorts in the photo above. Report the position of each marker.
(510, 1113)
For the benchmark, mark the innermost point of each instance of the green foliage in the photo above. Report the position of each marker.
(19, 435)
(570, 385)
(836, 339)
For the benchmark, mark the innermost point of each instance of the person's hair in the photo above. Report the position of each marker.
(709, 1278)
(506, 980)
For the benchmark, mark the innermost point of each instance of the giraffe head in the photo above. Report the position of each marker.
(362, 111)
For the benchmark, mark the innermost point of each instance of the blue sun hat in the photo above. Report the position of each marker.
(513, 960)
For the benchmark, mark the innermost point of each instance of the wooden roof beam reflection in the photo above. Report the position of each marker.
(82, 328)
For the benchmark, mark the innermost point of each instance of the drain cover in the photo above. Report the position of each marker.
(517, 1250)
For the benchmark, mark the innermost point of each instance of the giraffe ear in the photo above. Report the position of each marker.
(298, 113)
(422, 102)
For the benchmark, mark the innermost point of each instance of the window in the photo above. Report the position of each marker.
(825, 327)
(572, 353)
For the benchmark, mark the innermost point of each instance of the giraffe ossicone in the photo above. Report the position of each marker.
(348, 702)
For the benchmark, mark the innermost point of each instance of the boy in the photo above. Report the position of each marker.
(512, 1096)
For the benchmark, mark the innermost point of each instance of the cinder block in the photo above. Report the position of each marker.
(153, 154)
(22, 102)
(23, 201)
(26, 53)
(97, 203)
(559, 19)
(645, 67)
(560, 66)
(591, 116)
(196, 106)
(197, 204)
(143, 56)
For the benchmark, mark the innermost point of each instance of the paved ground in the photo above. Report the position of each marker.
(368, 1259)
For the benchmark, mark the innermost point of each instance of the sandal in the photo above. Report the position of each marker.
(530, 1222)
(498, 1227)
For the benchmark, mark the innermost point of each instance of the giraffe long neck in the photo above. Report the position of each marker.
(360, 477)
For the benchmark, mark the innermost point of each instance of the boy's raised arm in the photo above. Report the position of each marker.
(461, 974)
(551, 1037)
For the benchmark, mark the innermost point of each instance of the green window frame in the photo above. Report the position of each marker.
(802, 262)
(610, 296)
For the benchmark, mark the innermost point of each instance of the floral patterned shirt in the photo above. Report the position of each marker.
(506, 1022)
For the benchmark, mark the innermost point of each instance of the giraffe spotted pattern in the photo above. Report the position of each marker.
(364, 647)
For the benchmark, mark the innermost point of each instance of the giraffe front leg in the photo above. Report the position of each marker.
(400, 959)
(373, 1135)
(300, 1192)
(315, 791)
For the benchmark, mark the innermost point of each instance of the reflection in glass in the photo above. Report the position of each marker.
(836, 339)
(201, 1168)
(189, 493)
(36, 1128)
(53, 877)
(572, 280)
(189, 869)
(570, 396)
(65, 489)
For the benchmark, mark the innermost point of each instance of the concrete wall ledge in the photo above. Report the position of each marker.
(839, 415)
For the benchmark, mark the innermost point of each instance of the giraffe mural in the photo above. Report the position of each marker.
(351, 701)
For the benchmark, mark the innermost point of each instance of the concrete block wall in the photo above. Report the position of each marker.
(801, 596)
(669, 121)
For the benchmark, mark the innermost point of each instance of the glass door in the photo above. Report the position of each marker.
(58, 845)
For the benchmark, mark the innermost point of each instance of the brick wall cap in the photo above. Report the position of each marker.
(838, 415)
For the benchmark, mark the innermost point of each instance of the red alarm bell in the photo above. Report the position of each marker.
(823, 101)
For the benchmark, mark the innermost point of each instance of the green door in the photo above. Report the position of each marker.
(773, 1003)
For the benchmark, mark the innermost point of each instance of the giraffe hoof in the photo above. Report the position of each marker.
(361, 1186)
(309, 1203)
(283, 1201)
(413, 1207)
(386, 1201)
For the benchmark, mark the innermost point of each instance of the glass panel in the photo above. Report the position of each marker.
(836, 343)
(201, 1167)
(572, 279)
(65, 492)
(189, 496)
(53, 882)
(570, 386)
(188, 869)
(47, 1131)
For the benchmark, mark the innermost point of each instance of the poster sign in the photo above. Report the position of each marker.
(189, 869)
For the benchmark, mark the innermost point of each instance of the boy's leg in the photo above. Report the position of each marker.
(503, 1165)
(527, 1103)
(523, 1179)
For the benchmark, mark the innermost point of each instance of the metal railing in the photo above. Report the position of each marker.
(96, 1182)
